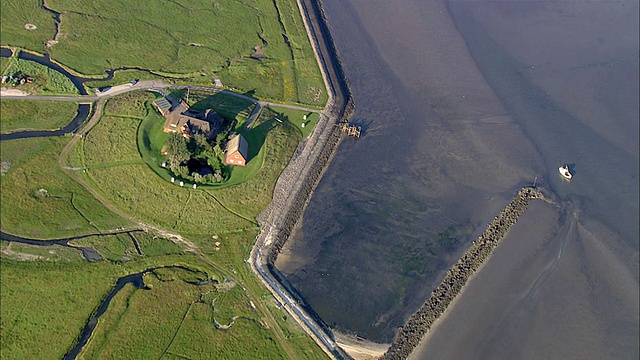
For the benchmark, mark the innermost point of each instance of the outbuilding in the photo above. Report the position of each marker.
(163, 105)
(237, 151)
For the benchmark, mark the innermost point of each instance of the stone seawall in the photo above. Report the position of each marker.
(420, 322)
(322, 147)
(298, 180)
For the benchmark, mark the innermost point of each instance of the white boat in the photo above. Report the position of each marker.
(564, 171)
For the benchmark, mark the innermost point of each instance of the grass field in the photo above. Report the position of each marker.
(113, 141)
(46, 81)
(296, 117)
(48, 293)
(35, 115)
(13, 17)
(220, 221)
(190, 310)
(44, 308)
(201, 40)
(39, 200)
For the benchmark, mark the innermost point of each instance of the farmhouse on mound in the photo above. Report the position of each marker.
(237, 151)
(189, 122)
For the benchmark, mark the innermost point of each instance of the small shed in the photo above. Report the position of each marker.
(237, 151)
(163, 105)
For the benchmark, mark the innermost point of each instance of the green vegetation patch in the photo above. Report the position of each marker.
(202, 40)
(182, 326)
(45, 80)
(45, 305)
(131, 104)
(16, 14)
(35, 115)
(138, 191)
(297, 118)
(116, 248)
(112, 142)
(131, 326)
(38, 200)
(24, 252)
(154, 245)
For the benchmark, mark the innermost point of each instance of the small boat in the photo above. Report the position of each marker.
(564, 171)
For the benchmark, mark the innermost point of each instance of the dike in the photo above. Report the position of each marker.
(299, 179)
(421, 321)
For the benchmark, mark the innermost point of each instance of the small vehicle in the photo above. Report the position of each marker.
(134, 81)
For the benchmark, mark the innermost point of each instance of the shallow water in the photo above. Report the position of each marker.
(459, 112)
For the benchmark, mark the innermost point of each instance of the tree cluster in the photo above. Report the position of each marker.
(181, 150)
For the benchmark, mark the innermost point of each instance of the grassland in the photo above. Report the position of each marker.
(296, 117)
(39, 200)
(49, 294)
(191, 310)
(13, 17)
(35, 115)
(219, 221)
(200, 41)
(44, 308)
(46, 81)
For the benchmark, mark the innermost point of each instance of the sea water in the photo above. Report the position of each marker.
(463, 103)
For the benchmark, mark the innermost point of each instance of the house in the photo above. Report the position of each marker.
(188, 122)
(237, 151)
(163, 105)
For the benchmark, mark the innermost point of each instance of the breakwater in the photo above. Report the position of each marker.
(421, 321)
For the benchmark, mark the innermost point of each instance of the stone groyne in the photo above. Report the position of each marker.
(420, 322)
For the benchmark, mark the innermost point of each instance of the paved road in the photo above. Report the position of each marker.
(153, 85)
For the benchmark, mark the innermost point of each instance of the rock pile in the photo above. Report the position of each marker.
(420, 322)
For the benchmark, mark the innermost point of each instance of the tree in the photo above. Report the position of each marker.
(177, 150)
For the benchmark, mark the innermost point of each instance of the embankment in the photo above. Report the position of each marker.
(420, 322)
(295, 185)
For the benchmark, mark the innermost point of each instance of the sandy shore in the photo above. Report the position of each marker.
(359, 348)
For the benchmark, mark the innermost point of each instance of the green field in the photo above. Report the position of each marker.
(46, 81)
(35, 115)
(200, 40)
(219, 221)
(13, 17)
(296, 117)
(44, 307)
(39, 200)
(109, 184)
(191, 310)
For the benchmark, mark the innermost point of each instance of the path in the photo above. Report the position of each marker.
(151, 85)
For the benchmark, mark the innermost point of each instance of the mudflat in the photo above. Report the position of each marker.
(552, 289)
(462, 103)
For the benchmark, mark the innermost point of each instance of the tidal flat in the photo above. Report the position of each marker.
(462, 103)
